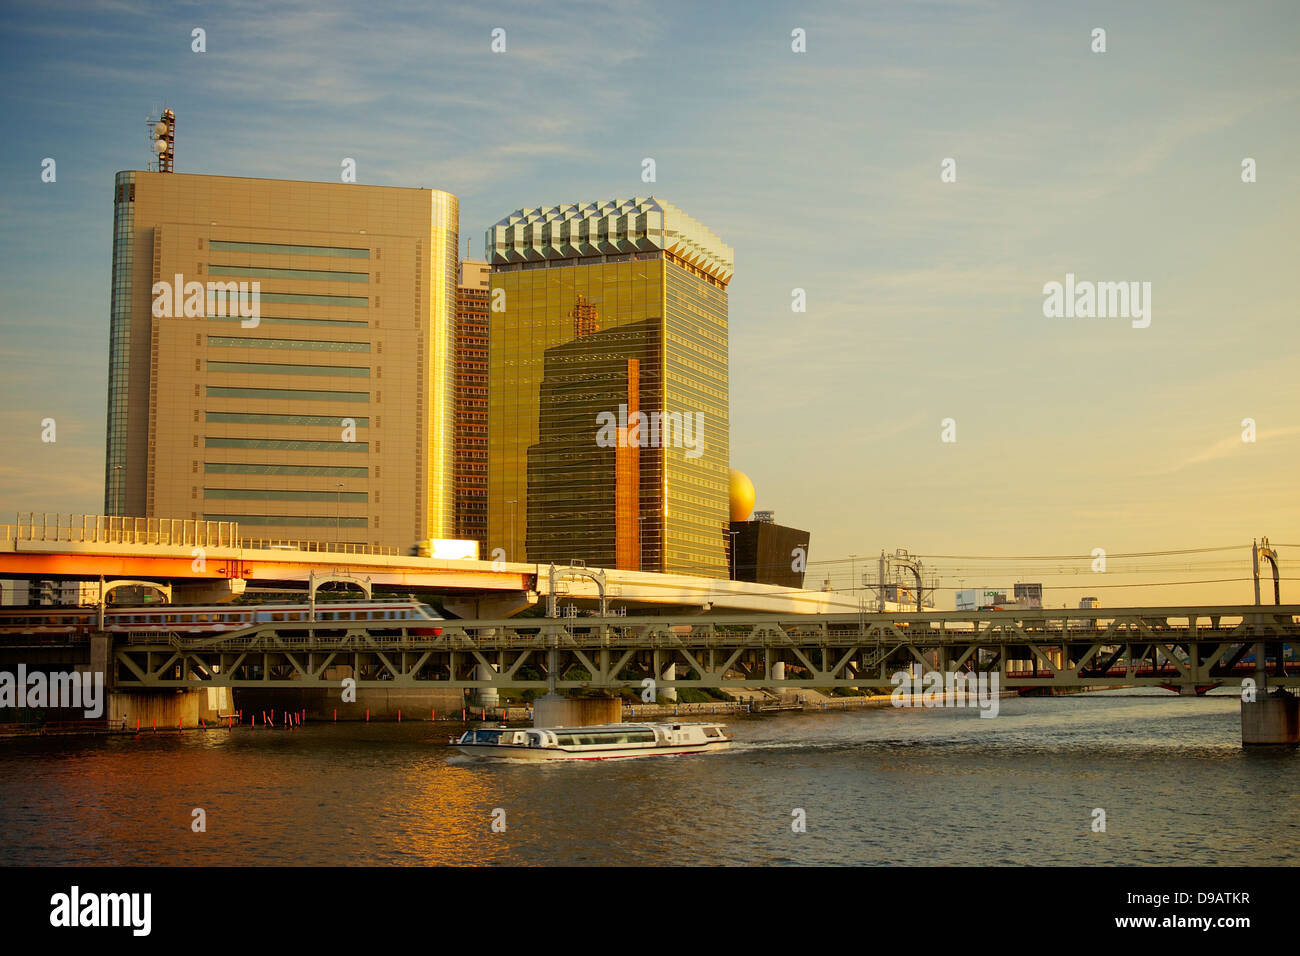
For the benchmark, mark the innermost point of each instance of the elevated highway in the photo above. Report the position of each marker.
(210, 562)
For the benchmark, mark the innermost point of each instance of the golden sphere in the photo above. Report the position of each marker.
(742, 496)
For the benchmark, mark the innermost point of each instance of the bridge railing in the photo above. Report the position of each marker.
(118, 529)
(337, 547)
(176, 532)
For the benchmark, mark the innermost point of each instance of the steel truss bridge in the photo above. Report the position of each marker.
(1191, 649)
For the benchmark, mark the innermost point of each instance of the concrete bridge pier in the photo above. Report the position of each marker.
(669, 693)
(161, 708)
(487, 696)
(557, 711)
(1271, 719)
(166, 709)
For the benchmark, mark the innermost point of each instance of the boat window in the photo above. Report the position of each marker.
(487, 736)
(712, 732)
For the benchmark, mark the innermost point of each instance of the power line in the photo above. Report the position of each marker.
(1077, 557)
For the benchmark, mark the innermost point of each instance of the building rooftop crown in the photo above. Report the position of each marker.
(611, 227)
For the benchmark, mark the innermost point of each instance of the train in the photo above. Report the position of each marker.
(215, 619)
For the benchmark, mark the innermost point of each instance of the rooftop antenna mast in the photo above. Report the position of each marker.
(162, 136)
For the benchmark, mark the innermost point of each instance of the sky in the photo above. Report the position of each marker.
(823, 170)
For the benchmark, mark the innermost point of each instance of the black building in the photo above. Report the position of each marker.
(768, 553)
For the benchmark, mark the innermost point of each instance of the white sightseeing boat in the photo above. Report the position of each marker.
(601, 742)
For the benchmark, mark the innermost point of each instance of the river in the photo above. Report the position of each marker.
(877, 786)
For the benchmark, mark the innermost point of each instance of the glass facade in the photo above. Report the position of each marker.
(470, 469)
(696, 485)
(608, 421)
(119, 343)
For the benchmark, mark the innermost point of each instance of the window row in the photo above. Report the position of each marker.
(275, 248)
(239, 468)
(305, 394)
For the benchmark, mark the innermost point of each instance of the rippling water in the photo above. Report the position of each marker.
(880, 786)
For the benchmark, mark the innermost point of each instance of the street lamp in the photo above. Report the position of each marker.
(117, 488)
(733, 554)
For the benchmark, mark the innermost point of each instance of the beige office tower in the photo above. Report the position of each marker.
(282, 355)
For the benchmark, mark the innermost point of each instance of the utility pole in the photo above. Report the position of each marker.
(880, 595)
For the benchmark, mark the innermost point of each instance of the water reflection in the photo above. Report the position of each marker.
(880, 786)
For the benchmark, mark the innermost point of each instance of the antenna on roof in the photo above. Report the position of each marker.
(162, 136)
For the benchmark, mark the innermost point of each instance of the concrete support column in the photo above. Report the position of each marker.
(576, 711)
(487, 696)
(669, 693)
(1271, 721)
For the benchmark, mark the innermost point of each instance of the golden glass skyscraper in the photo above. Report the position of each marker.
(328, 416)
(608, 419)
